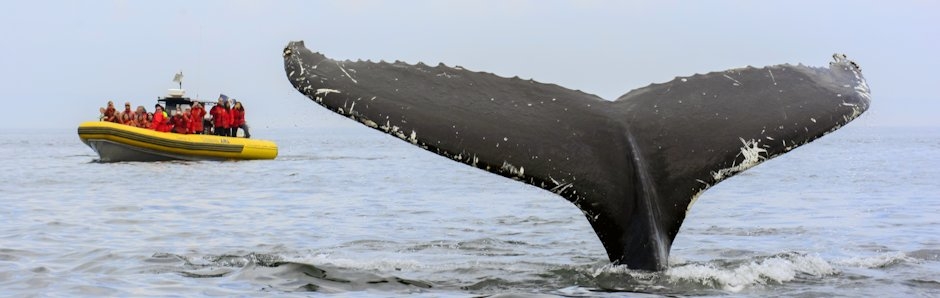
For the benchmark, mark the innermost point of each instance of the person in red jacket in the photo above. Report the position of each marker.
(219, 118)
(196, 114)
(180, 122)
(167, 126)
(230, 119)
(141, 117)
(188, 120)
(159, 122)
(238, 114)
(127, 116)
(109, 114)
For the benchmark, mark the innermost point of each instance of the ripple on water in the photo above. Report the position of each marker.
(362, 215)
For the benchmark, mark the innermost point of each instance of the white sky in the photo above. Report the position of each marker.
(61, 60)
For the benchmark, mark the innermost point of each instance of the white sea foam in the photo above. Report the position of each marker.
(876, 261)
(736, 277)
(383, 264)
(778, 269)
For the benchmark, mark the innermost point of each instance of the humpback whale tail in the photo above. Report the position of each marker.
(633, 166)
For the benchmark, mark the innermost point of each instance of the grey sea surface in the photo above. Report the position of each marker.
(353, 212)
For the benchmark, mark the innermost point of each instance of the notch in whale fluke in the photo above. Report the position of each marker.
(633, 166)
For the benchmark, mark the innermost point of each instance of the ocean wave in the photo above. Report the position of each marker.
(883, 260)
(277, 273)
(776, 269)
(327, 272)
(730, 276)
(382, 265)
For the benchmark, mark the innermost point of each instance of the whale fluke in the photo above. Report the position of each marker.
(634, 166)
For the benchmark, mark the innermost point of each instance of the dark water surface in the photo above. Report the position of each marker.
(352, 212)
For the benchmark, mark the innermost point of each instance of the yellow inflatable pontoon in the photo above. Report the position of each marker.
(117, 142)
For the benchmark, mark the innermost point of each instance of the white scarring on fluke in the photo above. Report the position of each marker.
(520, 171)
(752, 156)
(323, 92)
(861, 86)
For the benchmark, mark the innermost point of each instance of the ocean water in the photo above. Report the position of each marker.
(352, 212)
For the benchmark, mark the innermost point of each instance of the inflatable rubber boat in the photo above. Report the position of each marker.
(117, 142)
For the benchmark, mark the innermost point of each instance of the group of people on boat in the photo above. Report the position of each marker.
(226, 118)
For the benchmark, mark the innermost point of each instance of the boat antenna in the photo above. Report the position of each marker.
(179, 78)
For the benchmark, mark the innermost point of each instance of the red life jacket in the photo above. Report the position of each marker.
(159, 122)
(180, 125)
(142, 120)
(196, 119)
(188, 122)
(127, 117)
(238, 116)
(219, 117)
(230, 117)
(109, 115)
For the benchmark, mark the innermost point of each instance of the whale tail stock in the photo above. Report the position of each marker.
(633, 166)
